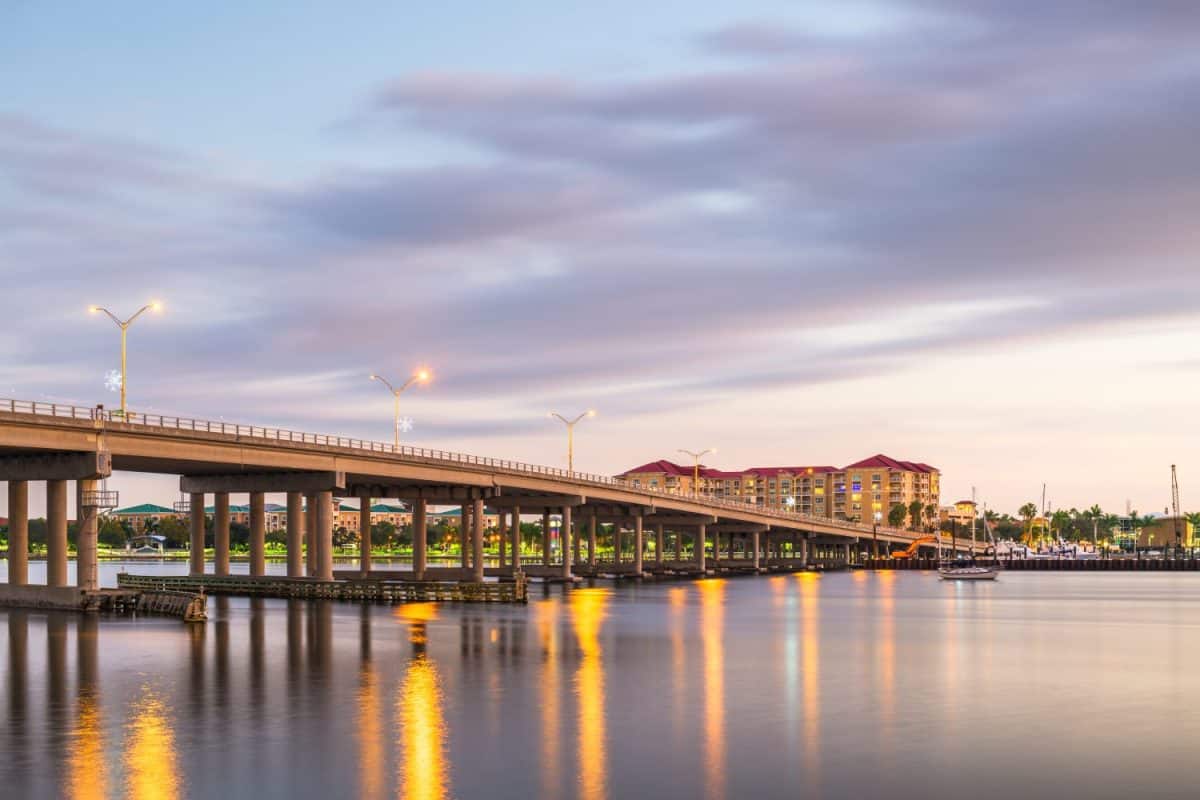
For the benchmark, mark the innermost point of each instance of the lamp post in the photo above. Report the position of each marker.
(571, 423)
(875, 535)
(124, 324)
(696, 471)
(420, 376)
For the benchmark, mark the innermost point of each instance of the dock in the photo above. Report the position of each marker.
(372, 589)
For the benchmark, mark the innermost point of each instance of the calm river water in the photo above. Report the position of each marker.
(838, 686)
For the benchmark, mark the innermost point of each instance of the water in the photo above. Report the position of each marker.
(835, 686)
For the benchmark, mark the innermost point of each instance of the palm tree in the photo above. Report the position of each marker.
(914, 513)
(931, 515)
(1028, 512)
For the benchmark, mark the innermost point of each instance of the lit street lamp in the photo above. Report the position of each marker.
(124, 324)
(571, 423)
(420, 376)
(696, 471)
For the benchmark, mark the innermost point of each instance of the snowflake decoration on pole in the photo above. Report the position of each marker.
(405, 424)
(112, 380)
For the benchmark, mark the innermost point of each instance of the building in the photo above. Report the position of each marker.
(962, 513)
(142, 518)
(1161, 533)
(855, 492)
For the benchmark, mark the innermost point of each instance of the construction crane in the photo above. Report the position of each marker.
(1178, 519)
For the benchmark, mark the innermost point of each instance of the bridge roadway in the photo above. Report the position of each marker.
(62, 443)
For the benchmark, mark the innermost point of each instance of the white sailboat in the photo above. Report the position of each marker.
(964, 571)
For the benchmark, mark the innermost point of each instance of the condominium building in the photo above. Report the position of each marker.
(855, 492)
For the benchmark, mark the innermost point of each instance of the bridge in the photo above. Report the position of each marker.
(62, 443)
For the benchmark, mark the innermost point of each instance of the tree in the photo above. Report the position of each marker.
(112, 533)
(175, 531)
(1027, 513)
(383, 534)
(896, 515)
(931, 515)
(914, 513)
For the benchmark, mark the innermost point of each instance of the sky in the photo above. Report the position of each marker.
(961, 232)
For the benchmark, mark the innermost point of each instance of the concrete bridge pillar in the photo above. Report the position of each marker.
(295, 535)
(592, 540)
(701, 534)
(546, 537)
(258, 534)
(516, 538)
(364, 536)
(56, 533)
(717, 548)
(464, 537)
(678, 537)
(502, 522)
(221, 533)
(196, 533)
(420, 539)
(804, 553)
(310, 534)
(754, 542)
(660, 540)
(324, 537)
(638, 544)
(477, 540)
(18, 533)
(87, 568)
(564, 534)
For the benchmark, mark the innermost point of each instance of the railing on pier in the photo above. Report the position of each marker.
(382, 591)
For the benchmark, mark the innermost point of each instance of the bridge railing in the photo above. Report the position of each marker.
(100, 414)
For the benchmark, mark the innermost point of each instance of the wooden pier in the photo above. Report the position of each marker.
(372, 589)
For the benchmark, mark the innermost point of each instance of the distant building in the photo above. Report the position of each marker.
(854, 492)
(962, 513)
(143, 517)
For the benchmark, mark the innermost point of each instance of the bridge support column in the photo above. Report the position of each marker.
(196, 533)
(659, 542)
(546, 537)
(56, 533)
(516, 538)
(701, 533)
(804, 553)
(618, 544)
(592, 540)
(18, 533)
(564, 533)
(420, 537)
(464, 537)
(221, 533)
(576, 542)
(258, 534)
(716, 548)
(678, 544)
(87, 574)
(502, 522)
(324, 535)
(310, 534)
(364, 536)
(477, 540)
(754, 542)
(295, 535)
(638, 544)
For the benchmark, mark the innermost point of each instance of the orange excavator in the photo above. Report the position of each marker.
(912, 549)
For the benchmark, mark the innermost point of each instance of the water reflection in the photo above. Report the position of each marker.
(151, 762)
(87, 772)
(420, 721)
(548, 633)
(712, 634)
(369, 727)
(810, 619)
(587, 616)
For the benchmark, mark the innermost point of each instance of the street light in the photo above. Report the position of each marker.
(696, 471)
(420, 376)
(124, 324)
(571, 423)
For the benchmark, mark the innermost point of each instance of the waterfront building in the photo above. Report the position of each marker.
(962, 513)
(854, 492)
(142, 518)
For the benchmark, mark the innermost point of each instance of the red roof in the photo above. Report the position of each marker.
(663, 466)
(880, 461)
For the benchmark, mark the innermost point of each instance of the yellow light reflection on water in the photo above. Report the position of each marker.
(677, 598)
(424, 769)
(87, 775)
(547, 627)
(810, 620)
(151, 762)
(886, 643)
(588, 608)
(712, 634)
(370, 734)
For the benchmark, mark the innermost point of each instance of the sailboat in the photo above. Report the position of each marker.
(961, 570)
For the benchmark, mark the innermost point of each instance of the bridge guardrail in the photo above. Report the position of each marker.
(99, 414)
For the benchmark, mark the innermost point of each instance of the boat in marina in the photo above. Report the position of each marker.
(967, 570)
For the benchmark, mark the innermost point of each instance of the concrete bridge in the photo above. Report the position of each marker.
(59, 444)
